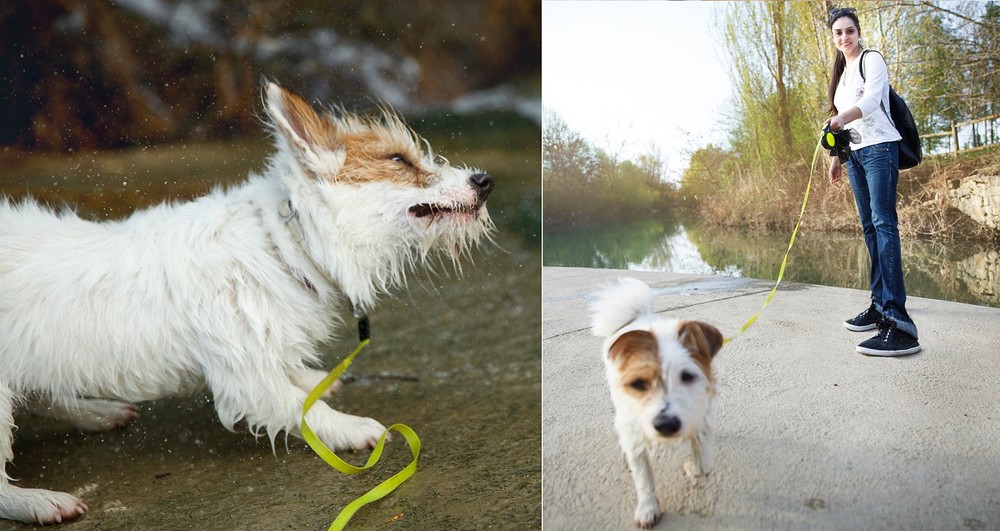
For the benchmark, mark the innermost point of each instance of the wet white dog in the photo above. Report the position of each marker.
(662, 385)
(233, 291)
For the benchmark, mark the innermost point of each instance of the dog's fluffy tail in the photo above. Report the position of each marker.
(618, 304)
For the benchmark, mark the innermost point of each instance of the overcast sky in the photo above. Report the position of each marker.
(638, 73)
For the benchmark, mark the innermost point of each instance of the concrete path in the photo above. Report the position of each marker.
(810, 434)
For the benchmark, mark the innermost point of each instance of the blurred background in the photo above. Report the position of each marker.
(83, 74)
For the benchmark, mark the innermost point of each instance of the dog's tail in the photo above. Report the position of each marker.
(618, 304)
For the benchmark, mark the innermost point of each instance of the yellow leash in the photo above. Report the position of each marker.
(389, 485)
(382, 489)
(784, 261)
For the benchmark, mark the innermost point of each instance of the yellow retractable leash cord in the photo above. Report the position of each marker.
(331, 459)
(791, 242)
(389, 485)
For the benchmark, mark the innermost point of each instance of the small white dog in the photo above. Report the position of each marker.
(233, 291)
(662, 385)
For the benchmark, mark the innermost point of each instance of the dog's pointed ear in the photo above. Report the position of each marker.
(701, 339)
(313, 138)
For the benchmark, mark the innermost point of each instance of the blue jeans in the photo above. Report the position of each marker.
(874, 172)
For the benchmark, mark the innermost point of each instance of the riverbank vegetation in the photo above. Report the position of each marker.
(942, 59)
(772, 197)
(779, 103)
(583, 184)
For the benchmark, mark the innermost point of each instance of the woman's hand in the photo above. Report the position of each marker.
(839, 121)
(835, 170)
(836, 123)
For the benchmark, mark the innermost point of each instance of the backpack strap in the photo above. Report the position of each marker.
(861, 63)
(861, 66)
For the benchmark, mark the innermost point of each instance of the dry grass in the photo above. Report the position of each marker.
(774, 201)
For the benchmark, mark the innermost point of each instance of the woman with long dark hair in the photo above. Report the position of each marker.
(859, 102)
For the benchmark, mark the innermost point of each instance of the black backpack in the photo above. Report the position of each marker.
(899, 114)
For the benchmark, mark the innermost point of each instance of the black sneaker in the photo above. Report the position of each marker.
(866, 320)
(890, 341)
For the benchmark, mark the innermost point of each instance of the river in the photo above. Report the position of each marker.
(962, 272)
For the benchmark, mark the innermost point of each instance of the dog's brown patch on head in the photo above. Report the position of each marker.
(703, 341)
(366, 149)
(383, 151)
(637, 356)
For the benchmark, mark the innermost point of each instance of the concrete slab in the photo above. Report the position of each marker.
(810, 434)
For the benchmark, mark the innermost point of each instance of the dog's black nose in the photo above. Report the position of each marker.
(483, 183)
(667, 425)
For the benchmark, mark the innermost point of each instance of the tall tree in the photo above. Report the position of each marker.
(567, 158)
(776, 69)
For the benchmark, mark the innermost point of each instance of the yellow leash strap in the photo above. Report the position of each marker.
(382, 489)
(784, 261)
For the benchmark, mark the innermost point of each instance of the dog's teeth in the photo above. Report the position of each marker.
(421, 210)
(426, 209)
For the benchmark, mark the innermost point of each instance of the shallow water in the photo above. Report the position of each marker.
(955, 271)
(455, 357)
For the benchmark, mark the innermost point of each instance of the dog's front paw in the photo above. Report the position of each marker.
(647, 514)
(366, 433)
(40, 506)
(348, 432)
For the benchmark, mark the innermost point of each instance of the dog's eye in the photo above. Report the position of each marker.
(688, 377)
(400, 158)
(639, 385)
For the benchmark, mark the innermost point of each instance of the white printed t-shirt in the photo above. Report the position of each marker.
(866, 94)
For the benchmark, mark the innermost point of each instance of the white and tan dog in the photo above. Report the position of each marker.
(662, 385)
(233, 291)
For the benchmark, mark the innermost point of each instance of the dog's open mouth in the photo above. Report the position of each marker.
(426, 209)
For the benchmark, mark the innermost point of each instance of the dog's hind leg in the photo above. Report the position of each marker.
(28, 505)
(87, 414)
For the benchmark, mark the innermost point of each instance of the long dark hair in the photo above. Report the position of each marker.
(839, 61)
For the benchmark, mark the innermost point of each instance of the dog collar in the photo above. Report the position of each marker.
(290, 217)
(288, 214)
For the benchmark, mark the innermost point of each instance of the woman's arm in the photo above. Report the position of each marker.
(876, 83)
(838, 122)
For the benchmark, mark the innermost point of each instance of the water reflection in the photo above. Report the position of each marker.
(961, 272)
